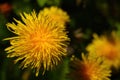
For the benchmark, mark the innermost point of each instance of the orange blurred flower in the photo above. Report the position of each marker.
(91, 67)
(5, 8)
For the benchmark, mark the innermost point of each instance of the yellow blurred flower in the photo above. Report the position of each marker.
(108, 47)
(39, 42)
(91, 67)
(56, 14)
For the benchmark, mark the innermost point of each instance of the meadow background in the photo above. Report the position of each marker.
(86, 17)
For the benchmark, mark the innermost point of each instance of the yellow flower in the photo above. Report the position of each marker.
(91, 67)
(39, 42)
(56, 14)
(108, 47)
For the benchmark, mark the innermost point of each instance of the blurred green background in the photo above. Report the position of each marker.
(87, 17)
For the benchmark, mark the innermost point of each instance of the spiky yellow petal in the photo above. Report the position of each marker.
(39, 42)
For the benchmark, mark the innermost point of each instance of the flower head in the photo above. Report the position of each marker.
(39, 42)
(91, 67)
(57, 14)
(108, 47)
